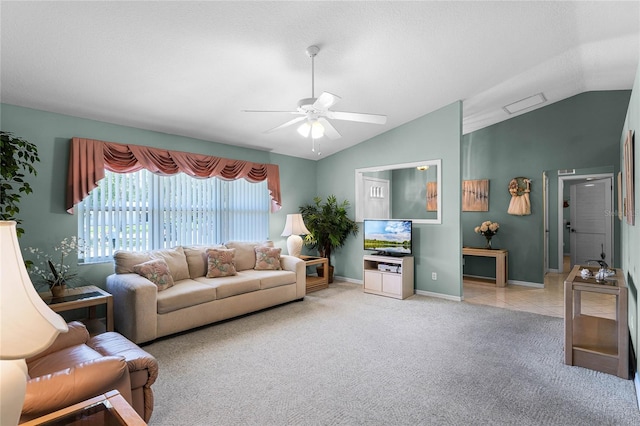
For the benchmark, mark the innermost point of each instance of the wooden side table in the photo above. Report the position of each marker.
(502, 265)
(593, 342)
(108, 409)
(315, 283)
(88, 297)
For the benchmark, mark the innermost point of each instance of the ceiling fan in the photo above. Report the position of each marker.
(314, 112)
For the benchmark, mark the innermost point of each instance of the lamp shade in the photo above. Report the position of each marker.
(294, 226)
(27, 325)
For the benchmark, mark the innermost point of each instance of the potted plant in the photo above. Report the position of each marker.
(329, 226)
(52, 270)
(17, 156)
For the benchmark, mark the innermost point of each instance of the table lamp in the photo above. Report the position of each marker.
(27, 325)
(293, 228)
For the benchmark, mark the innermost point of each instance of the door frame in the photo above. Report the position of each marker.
(561, 180)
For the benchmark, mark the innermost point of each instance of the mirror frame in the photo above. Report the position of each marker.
(360, 187)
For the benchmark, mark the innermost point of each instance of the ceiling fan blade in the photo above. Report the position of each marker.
(325, 101)
(329, 130)
(287, 124)
(357, 116)
(257, 110)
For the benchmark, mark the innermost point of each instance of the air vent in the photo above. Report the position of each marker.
(566, 172)
(525, 103)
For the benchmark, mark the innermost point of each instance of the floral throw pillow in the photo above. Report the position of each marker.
(156, 271)
(220, 262)
(267, 258)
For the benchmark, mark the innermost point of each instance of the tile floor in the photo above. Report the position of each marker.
(545, 301)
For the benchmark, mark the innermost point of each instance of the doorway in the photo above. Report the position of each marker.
(586, 233)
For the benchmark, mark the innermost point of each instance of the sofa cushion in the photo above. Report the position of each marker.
(126, 260)
(267, 258)
(220, 263)
(233, 285)
(197, 259)
(245, 252)
(156, 271)
(176, 260)
(183, 294)
(62, 359)
(270, 279)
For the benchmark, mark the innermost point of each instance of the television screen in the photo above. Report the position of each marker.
(388, 237)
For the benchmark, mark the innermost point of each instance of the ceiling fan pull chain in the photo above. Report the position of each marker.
(313, 75)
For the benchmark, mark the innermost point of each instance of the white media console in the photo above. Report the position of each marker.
(388, 275)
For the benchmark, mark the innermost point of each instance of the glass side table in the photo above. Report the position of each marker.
(110, 409)
(89, 297)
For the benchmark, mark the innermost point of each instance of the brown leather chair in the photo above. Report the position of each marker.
(77, 367)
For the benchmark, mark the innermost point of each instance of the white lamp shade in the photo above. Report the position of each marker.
(27, 325)
(293, 228)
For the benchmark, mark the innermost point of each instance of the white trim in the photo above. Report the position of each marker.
(349, 280)
(561, 180)
(439, 295)
(526, 284)
(557, 271)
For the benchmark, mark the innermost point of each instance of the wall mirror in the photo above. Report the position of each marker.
(400, 191)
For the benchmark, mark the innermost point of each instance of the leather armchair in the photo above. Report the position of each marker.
(76, 367)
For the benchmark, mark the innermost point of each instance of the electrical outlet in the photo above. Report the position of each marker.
(434, 276)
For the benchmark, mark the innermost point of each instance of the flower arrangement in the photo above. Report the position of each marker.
(487, 229)
(48, 270)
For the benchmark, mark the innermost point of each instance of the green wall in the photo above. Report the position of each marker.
(630, 235)
(437, 248)
(581, 132)
(44, 217)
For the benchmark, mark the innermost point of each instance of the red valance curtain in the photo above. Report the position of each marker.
(89, 158)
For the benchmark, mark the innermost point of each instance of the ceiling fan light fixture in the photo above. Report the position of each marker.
(313, 127)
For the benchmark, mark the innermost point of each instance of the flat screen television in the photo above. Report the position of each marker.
(387, 237)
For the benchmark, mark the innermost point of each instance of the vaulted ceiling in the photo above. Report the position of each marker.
(190, 68)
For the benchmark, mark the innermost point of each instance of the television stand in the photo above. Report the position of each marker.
(389, 276)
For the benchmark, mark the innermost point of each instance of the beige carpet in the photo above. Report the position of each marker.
(342, 357)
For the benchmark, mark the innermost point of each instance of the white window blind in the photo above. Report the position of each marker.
(143, 211)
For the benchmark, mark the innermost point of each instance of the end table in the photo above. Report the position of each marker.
(88, 297)
(315, 283)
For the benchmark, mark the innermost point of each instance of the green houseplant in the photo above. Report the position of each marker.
(329, 226)
(17, 157)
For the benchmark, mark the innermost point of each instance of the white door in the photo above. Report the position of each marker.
(591, 222)
(377, 198)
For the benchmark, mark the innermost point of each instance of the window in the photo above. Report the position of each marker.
(143, 211)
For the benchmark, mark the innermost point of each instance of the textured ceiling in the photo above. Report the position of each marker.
(189, 68)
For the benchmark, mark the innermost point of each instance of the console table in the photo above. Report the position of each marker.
(594, 342)
(502, 265)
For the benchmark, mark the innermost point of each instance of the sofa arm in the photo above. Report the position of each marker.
(297, 265)
(143, 368)
(76, 335)
(134, 306)
(54, 391)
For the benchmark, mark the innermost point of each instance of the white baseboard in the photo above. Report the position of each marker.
(439, 295)
(526, 283)
(557, 271)
(349, 280)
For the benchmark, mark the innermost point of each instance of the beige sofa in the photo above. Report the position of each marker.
(144, 311)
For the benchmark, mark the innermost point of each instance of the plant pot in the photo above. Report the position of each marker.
(320, 271)
(58, 290)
